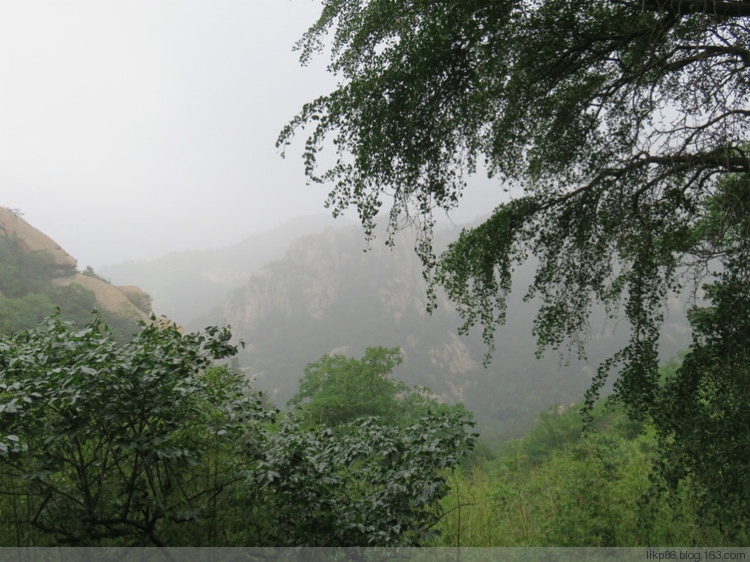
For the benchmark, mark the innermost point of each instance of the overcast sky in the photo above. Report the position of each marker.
(129, 129)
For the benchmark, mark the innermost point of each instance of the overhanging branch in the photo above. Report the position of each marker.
(707, 7)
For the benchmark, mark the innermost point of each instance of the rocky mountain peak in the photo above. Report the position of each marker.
(31, 240)
(128, 302)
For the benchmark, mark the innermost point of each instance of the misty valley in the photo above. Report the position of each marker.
(528, 326)
(334, 411)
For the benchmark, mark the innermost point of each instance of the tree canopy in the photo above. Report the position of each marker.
(155, 442)
(619, 129)
(610, 123)
(338, 389)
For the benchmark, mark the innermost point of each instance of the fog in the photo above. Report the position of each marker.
(133, 129)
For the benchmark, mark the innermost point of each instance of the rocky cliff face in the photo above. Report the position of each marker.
(31, 240)
(325, 275)
(327, 296)
(127, 302)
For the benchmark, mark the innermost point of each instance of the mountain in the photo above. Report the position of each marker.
(187, 285)
(37, 276)
(327, 296)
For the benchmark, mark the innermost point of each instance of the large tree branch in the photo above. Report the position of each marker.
(674, 163)
(730, 161)
(707, 7)
(733, 50)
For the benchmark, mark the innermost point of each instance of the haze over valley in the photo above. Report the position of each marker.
(339, 273)
(310, 288)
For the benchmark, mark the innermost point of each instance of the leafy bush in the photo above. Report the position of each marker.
(369, 485)
(102, 439)
(152, 443)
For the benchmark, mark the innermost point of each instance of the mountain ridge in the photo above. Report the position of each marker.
(187, 285)
(326, 296)
(37, 275)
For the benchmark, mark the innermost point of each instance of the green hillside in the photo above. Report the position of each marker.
(565, 484)
(37, 278)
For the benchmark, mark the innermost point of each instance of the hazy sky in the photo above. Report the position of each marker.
(129, 129)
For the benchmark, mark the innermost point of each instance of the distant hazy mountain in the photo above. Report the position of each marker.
(304, 290)
(187, 285)
(328, 296)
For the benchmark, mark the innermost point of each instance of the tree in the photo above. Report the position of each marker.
(366, 483)
(702, 412)
(615, 126)
(102, 443)
(337, 390)
(611, 124)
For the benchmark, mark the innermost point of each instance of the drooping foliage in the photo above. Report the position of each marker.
(610, 122)
(619, 129)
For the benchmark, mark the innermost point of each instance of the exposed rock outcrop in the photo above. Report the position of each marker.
(140, 298)
(109, 297)
(13, 227)
(129, 302)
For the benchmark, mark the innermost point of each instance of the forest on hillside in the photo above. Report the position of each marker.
(28, 293)
(83, 469)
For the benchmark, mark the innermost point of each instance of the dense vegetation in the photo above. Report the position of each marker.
(561, 486)
(622, 125)
(154, 443)
(160, 442)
